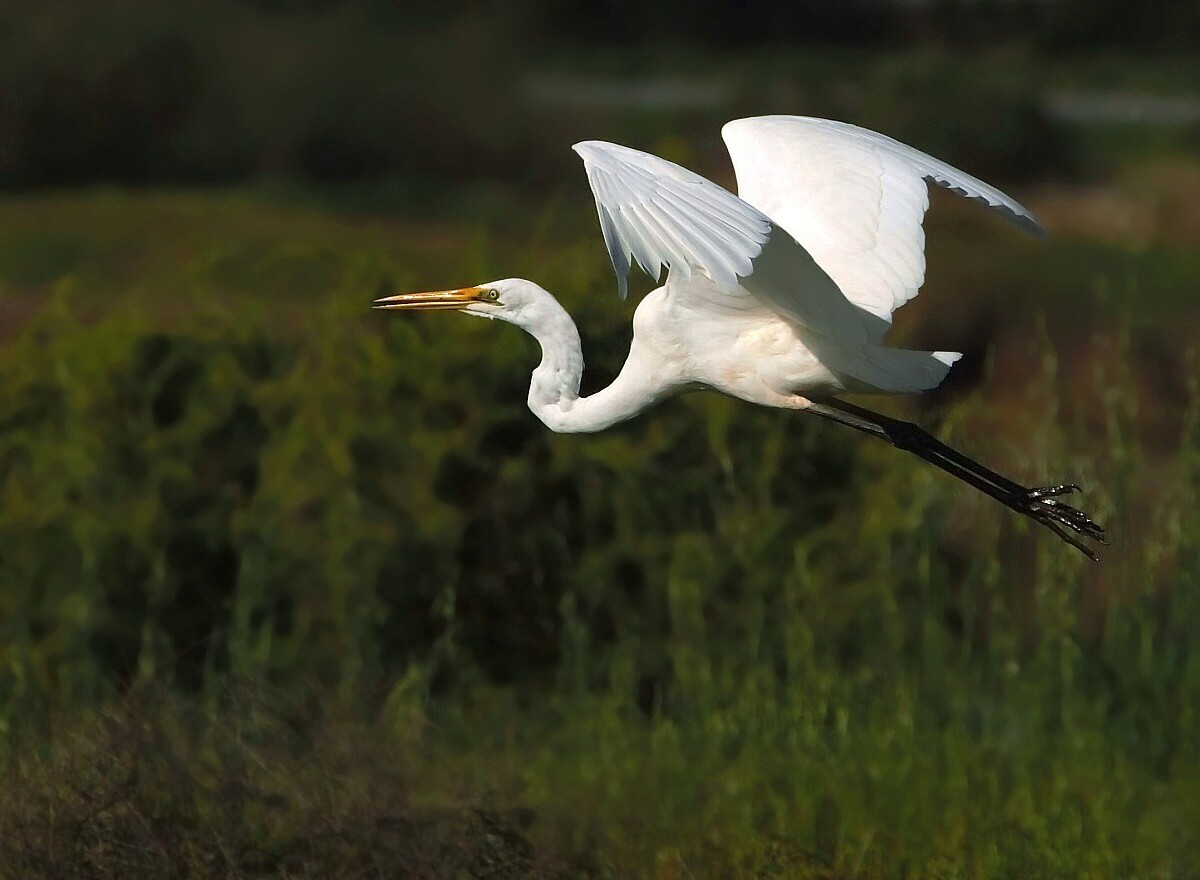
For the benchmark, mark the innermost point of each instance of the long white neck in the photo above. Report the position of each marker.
(554, 389)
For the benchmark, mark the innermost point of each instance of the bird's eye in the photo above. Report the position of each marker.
(493, 295)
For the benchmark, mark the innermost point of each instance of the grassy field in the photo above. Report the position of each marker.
(296, 589)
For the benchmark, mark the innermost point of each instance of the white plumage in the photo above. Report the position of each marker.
(854, 198)
(825, 237)
(780, 296)
(664, 215)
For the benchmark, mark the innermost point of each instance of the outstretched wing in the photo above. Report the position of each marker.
(663, 215)
(853, 198)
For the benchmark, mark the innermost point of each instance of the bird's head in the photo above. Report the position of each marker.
(514, 300)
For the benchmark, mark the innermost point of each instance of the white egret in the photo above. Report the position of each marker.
(779, 296)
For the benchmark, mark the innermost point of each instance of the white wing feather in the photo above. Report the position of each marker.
(853, 198)
(664, 215)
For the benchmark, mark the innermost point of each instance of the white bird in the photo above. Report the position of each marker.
(780, 296)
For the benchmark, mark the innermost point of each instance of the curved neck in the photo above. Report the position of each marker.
(554, 388)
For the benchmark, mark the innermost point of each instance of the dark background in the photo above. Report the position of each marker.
(150, 93)
(289, 587)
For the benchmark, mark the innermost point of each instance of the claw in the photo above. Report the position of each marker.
(1041, 505)
(1054, 491)
(1072, 540)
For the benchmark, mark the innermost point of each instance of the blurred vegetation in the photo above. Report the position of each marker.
(134, 91)
(717, 641)
(292, 588)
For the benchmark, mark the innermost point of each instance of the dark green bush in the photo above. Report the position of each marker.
(214, 499)
(718, 638)
(338, 503)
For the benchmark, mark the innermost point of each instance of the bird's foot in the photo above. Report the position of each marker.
(1043, 505)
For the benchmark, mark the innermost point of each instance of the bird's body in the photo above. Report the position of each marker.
(754, 356)
(780, 297)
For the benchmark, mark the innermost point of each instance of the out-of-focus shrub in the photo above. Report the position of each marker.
(208, 500)
(339, 504)
(141, 91)
(716, 616)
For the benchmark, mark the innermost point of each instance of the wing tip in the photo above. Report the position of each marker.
(1035, 228)
(1023, 219)
(590, 150)
(1007, 207)
(594, 149)
(769, 119)
(734, 124)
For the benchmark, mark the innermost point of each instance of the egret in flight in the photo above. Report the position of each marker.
(780, 295)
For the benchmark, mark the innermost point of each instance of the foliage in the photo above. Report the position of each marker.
(337, 92)
(717, 641)
(136, 793)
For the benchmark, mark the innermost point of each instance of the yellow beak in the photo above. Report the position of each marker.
(436, 299)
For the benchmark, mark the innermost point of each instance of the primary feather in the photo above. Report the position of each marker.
(854, 198)
(664, 215)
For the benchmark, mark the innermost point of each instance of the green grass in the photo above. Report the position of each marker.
(291, 588)
(130, 245)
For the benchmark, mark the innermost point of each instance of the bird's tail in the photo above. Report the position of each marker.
(875, 369)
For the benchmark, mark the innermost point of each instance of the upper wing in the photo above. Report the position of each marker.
(854, 198)
(665, 215)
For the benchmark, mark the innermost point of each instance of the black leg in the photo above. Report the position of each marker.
(1041, 505)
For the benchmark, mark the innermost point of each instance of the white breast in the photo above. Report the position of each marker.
(750, 353)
